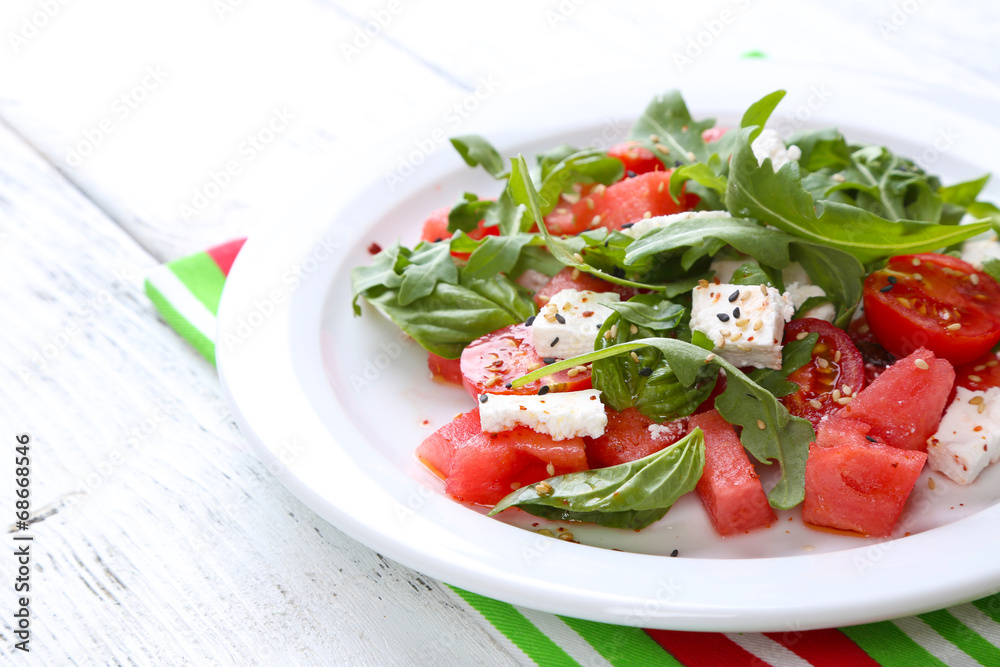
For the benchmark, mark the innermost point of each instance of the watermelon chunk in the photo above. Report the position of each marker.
(484, 467)
(582, 282)
(904, 404)
(630, 200)
(729, 487)
(854, 484)
(627, 438)
(445, 370)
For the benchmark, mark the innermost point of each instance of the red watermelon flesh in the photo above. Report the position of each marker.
(904, 404)
(627, 438)
(582, 282)
(445, 370)
(630, 200)
(729, 487)
(484, 467)
(854, 484)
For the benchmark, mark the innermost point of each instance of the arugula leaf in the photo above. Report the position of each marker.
(794, 355)
(750, 273)
(668, 130)
(838, 273)
(779, 199)
(568, 251)
(700, 173)
(761, 110)
(466, 214)
(650, 311)
(631, 495)
(964, 194)
(477, 151)
(589, 166)
(821, 149)
(991, 267)
(744, 403)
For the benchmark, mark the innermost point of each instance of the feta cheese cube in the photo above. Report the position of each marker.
(745, 322)
(769, 144)
(968, 437)
(568, 324)
(725, 268)
(640, 227)
(800, 293)
(978, 250)
(561, 415)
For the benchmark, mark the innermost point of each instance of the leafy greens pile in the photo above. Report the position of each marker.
(839, 211)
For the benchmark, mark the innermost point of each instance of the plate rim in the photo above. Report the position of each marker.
(238, 366)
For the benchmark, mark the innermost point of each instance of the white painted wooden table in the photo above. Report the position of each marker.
(159, 537)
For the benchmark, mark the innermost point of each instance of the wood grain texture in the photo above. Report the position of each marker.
(160, 538)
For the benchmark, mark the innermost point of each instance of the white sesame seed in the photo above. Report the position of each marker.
(974, 279)
(980, 367)
(578, 257)
(743, 348)
(837, 356)
(763, 289)
(647, 214)
(758, 325)
(761, 425)
(845, 400)
(613, 331)
(915, 262)
(709, 358)
(921, 364)
(954, 327)
(635, 357)
(544, 488)
(822, 363)
(975, 400)
(836, 394)
(802, 335)
(551, 469)
(847, 390)
(633, 329)
(816, 404)
(975, 378)
(742, 322)
(692, 156)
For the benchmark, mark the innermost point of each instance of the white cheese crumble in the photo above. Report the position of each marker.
(769, 144)
(568, 324)
(968, 437)
(800, 293)
(640, 227)
(978, 250)
(746, 330)
(671, 430)
(561, 415)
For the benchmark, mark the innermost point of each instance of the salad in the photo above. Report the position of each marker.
(679, 311)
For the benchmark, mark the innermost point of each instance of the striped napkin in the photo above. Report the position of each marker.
(187, 292)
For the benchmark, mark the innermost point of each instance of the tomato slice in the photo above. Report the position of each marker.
(979, 375)
(933, 301)
(492, 361)
(636, 158)
(876, 358)
(836, 366)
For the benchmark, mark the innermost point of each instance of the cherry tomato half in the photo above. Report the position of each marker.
(493, 360)
(979, 375)
(933, 301)
(836, 366)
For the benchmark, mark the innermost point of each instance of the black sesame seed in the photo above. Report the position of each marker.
(646, 371)
(723, 317)
(630, 173)
(735, 295)
(678, 163)
(438, 239)
(892, 279)
(531, 320)
(736, 313)
(870, 439)
(560, 319)
(509, 385)
(887, 288)
(627, 225)
(544, 390)
(618, 272)
(554, 342)
(484, 398)
(548, 360)
(606, 243)
(673, 554)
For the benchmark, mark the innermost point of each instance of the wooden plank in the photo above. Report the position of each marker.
(160, 537)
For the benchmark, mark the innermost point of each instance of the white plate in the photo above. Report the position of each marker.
(337, 404)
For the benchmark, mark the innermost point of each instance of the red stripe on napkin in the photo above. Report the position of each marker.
(704, 649)
(824, 648)
(224, 255)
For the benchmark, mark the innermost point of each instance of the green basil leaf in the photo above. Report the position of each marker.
(430, 264)
(750, 273)
(744, 403)
(452, 316)
(477, 151)
(630, 495)
(466, 214)
(778, 199)
(381, 273)
(495, 254)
